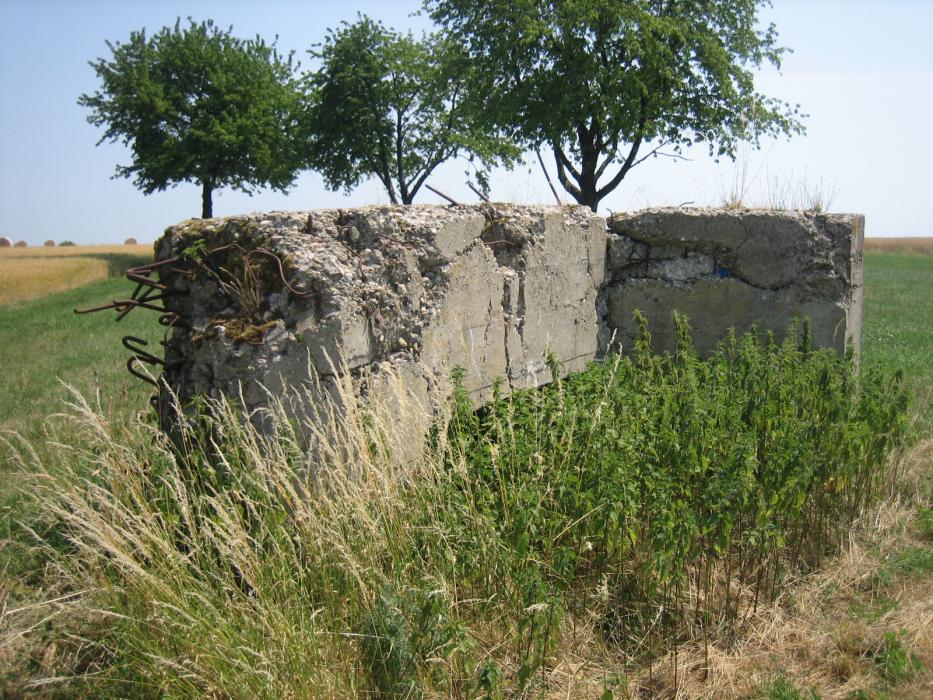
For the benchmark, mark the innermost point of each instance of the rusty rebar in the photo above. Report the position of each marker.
(139, 375)
(130, 342)
(441, 194)
(144, 280)
(148, 291)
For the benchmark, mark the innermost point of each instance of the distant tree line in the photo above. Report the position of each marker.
(597, 85)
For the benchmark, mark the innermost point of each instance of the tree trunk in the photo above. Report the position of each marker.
(585, 195)
(585, 191)
(589, 197)
(588, 179)
(580, 182)
(207, 203)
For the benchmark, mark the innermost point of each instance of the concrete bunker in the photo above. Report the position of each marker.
(491, 288)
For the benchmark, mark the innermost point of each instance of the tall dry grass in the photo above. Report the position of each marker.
(227, 563)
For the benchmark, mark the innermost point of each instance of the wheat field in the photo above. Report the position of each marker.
(913, 245)
(31, 273)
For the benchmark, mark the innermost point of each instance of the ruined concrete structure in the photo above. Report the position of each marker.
(491, 288)
(736, 268)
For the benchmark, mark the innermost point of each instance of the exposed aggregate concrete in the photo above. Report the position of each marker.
(491, 288)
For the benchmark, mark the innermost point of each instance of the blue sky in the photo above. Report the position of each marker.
(862, 70)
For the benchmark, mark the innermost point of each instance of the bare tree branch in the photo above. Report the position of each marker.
(441, 194)
(548, 177)
(657, 152)
(562, 161)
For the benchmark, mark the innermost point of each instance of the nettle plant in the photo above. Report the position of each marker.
(660, 493)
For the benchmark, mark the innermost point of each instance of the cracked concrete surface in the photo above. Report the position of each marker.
(491, 288)
(735, 268)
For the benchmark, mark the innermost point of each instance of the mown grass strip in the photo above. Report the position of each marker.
(897, 328)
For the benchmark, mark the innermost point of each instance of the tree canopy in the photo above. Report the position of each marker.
(388, 105)
(605, 84)
(197, 104)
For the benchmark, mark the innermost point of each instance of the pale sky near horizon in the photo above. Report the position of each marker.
(862, 70)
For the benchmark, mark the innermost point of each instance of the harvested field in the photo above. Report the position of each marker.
(914, 245)
(30, 273)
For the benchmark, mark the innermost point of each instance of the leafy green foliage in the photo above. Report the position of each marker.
(404, 636)
(893, 660)
(782, 688)
(197, 104)
(650, 475)
(601, 82)
(391, 106)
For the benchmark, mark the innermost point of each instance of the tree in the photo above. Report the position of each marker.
(390, 106)
(605, 84)
(197, 104)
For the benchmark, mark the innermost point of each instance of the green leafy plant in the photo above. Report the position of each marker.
(403, 638)
(893, 661)
(782, 688)
(648, 476)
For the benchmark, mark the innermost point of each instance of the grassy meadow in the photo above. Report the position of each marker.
(897, 328)
(503, 568)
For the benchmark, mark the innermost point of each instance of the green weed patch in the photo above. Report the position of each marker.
(668, 493)
(893, 662)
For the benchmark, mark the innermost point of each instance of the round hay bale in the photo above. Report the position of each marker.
(5, 242)
(130, 241)
(49, 244)
(21, 244)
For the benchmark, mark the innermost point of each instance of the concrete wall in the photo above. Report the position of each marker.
(426, 289)
(489, 288)
(735, 268)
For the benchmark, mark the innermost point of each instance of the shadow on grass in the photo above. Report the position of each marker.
(117, 263)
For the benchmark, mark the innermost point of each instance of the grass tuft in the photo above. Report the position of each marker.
(893, 662)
